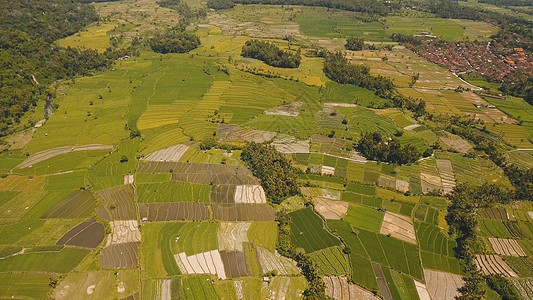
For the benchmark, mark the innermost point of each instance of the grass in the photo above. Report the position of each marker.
(198, 287)
(364, 217)
(308, 232)
(174, 191)
(57, 262)
(331, 261)
(93, 37)
(264, 234)
(195, 238)
(24, 285)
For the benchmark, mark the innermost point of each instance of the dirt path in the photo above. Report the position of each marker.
(46, 154)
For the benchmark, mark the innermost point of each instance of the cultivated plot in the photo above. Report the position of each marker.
(338, 288)
(231, 235)
(442, 285)
(494, 264)
(331, 209)
(124, 231)
(170, 154)
(506, 247)
(228, 133)
(118, 256)
(398, 226)
(88, 234)
(173, 211)
(117, 203)
(202, 263)
(46, 154)
(273, 261)
(243, 212)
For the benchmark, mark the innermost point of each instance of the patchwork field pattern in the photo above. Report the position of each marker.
(124, 231)
(201, 263)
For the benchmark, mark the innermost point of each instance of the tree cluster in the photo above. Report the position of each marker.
(502, 286)
(364, 6)
(278, 177)
(186, 13)
(354, 44)
(271, 54)
(376, 146)
(338, 69)
(220, 4)
(174, 41)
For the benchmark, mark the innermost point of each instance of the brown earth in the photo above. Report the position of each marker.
(88, 234)
(118, 203)
(243, 212)
(119, 256)
(234, 263)
(173, 211)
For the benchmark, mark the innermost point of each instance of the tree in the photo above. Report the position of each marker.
(354, 44)
(271, 54)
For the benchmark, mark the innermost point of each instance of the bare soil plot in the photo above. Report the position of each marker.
(119, 256)
(46, 154)
(170, 154)
(165, 289)
(456, 142)
(77, 204)
(273, 261)
(422, 291)
(88, 234)
(243, 212)
(331, 209)
(124, 231)
(289, 144)
(411, 127)
(387, 181)
(339, 288)
(118, 203)
(231, 235)
(494, 213)
(402, 185)
(173, 211)
(249, 194)
(442, 285)
(235, 133)
(382, 282)
(325, 170)
(223, 193)
(494, 264)
(398, 226)
(430, 182)
(128, 179)
(234, 263)
(506, 247)
(446, 174)
(288, 110)
(202, 263)
(216, 175)
(331, 104)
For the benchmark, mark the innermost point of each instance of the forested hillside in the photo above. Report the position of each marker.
(28, 60)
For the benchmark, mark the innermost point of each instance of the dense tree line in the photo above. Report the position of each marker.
(29, 62)
(406, 39)
(270, 54)
(174, 40)
(461, 217)
(376, 146)
(354, 44)
(502, 286)
(521, 87)
(506, 3)
(220, 4)
(365, 6)
(278, 177)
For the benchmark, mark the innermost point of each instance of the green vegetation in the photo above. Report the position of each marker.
(375, 146)
(270, 54)
(278, 177)
(174, 41)
(308, 232)
(354, 44)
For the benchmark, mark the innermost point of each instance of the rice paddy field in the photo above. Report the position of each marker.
(89, 211)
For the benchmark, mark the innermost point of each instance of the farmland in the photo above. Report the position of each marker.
(134, 185)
